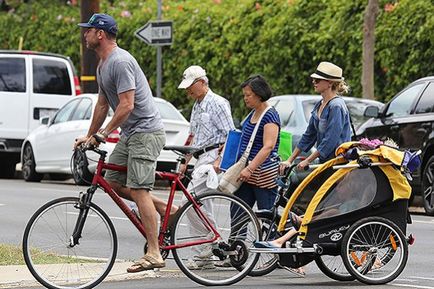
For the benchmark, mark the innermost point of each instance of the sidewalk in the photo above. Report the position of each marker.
(19, 276)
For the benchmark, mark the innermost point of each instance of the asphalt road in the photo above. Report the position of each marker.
(18, 201)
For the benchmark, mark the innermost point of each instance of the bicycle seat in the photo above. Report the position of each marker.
(181, 149)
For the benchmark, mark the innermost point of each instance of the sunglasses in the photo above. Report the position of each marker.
(194, 82)
(316, 80)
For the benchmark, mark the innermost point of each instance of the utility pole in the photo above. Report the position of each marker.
(159, 52)
(89, 59)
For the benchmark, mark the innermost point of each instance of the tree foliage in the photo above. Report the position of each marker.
(282, 39)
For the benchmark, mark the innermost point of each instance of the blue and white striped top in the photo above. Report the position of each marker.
(264, 176)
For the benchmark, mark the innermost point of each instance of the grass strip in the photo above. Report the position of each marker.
(13, 255)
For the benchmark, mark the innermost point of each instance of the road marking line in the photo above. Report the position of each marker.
(423, 222)
(411, 286)
(422, 278)
(406, 279)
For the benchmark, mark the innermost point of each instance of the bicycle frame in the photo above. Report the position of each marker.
(99, 181)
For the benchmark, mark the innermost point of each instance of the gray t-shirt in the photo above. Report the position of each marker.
(120, 73)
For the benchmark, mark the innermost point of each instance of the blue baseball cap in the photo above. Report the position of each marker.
(101, 21)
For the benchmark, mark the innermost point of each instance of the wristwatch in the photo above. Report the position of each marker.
(104, 133)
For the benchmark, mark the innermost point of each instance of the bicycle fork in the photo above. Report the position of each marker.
(83, 205)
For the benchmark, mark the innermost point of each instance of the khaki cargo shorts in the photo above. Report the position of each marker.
(139, 152)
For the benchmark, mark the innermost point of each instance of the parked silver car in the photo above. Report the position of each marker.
(48, 149)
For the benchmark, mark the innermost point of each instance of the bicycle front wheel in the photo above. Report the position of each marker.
(225, 260)
(51, 259)
(266, 262)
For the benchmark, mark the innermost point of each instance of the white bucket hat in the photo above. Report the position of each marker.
(328, 71)
(190, 75)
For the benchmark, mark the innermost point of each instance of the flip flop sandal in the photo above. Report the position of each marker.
(297, 272)
(146, 263)
(265, 245)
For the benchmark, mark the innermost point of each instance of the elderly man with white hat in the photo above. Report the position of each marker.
(329, 124)
(210, 123)
(211, 117)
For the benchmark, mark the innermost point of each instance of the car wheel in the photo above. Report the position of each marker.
(80, 171)
(428, 187)
(29, 165)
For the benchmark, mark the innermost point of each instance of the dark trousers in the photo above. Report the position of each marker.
(264, 198)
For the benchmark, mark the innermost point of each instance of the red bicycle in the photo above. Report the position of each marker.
(71, 242)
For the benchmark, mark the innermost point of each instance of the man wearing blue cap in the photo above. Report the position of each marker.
(124, 87)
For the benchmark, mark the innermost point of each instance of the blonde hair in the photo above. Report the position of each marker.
(341, 87)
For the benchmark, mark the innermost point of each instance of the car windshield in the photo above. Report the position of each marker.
(285, 110)
(357, 108)
(168, 111)
(308, 107)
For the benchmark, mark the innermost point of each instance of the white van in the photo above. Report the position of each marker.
(32, 85)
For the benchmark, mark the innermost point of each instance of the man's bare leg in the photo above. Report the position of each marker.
(147, 210)
(159, 204)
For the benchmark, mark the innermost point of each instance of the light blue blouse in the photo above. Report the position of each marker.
(328, 131)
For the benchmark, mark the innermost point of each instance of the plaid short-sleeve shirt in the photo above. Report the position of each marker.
(211, 120)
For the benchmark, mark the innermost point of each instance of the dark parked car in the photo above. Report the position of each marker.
(294, 111)
(408, 119)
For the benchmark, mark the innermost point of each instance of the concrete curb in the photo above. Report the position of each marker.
(17, 276)
(417, 210)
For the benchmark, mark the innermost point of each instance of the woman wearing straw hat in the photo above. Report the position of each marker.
(329, 124)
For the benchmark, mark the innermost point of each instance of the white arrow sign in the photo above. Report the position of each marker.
(156, 33)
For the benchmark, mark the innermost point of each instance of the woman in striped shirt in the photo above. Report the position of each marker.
(259, 176)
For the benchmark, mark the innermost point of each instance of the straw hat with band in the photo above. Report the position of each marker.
(328, 71)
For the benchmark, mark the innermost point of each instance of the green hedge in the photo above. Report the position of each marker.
(282, 39)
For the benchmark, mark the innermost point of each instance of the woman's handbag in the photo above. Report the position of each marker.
(229, 182)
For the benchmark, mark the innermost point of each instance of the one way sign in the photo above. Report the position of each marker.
(156, 33)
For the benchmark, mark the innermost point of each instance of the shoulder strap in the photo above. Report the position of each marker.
(252, 138)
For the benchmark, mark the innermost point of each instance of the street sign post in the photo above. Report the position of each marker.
(156, 33)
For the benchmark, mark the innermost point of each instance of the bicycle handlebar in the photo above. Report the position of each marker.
(83, 148)
(99, 138)
(288, 170)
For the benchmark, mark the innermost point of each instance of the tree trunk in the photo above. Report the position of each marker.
(371, 12)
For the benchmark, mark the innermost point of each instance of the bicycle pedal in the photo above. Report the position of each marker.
(219, 253)
(80, 197)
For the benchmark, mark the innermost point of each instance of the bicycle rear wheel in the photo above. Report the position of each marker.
(225, 260)
(51, 259)
(374, 250)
